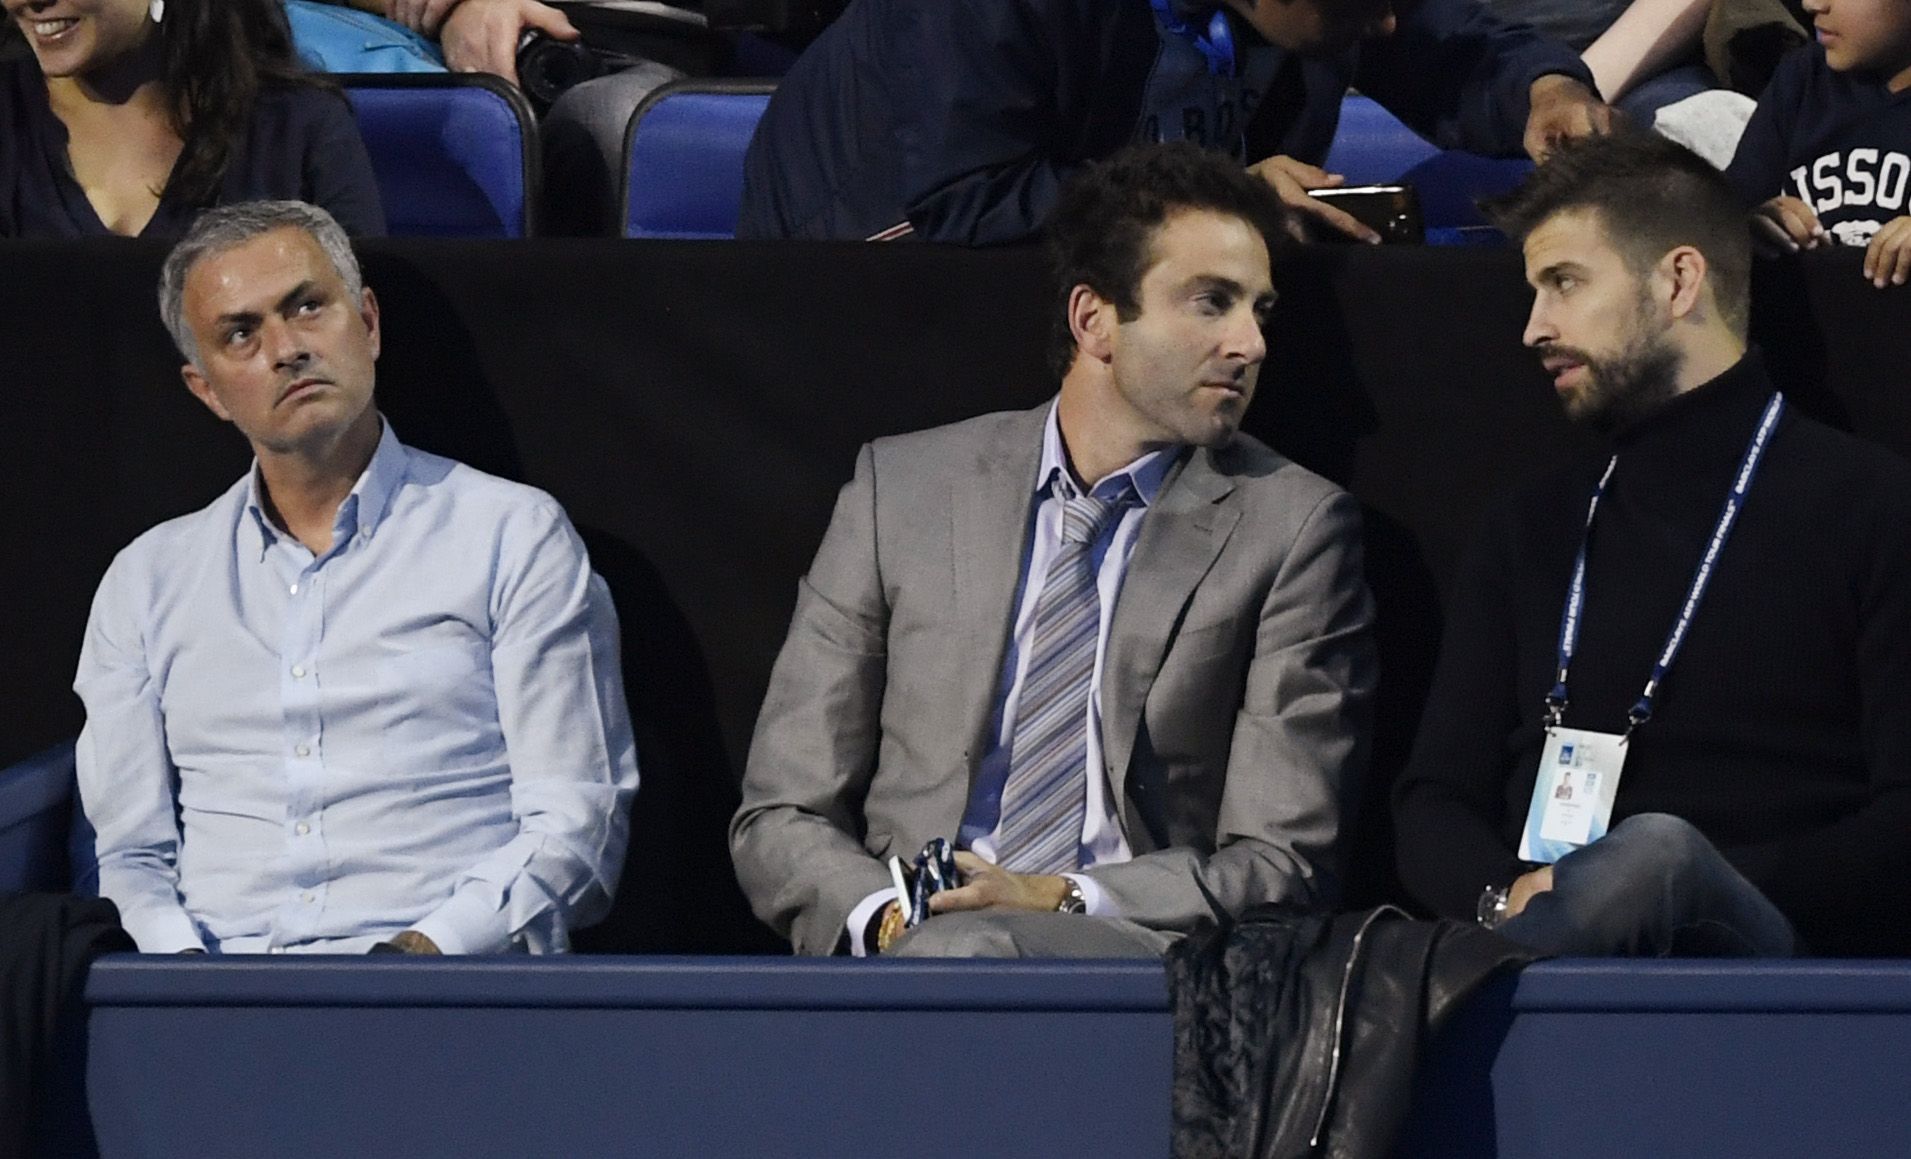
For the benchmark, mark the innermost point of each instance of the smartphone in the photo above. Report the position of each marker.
(1392, 211)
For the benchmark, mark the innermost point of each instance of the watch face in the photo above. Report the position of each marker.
(1490, 910)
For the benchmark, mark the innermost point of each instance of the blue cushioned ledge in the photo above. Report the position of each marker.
(1804, 986)
(1573, 985)
(630, 983)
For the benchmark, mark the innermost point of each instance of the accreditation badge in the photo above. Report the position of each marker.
(1573, 793)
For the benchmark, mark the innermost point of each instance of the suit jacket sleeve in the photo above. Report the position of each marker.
(1459, 75)
(1299, 744)
(796, 840)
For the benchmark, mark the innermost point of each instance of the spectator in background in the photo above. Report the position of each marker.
(1826, 159)
(475, 35)
(1644, 54)
(958, 120)
(130, 116)
(583, 130)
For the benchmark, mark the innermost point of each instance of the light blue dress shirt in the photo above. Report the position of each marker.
(1108, 555)
(423, 728)
(1102, 840)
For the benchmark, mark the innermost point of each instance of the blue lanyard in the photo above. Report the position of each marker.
(1217, 46)
(1576, 594)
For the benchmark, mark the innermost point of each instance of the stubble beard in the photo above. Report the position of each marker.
(1629, 387)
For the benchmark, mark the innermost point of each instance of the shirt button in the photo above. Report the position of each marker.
(301, 829)
(304, 750)
(306, 898)
(295, 589)
(275, 950)
(298, 671)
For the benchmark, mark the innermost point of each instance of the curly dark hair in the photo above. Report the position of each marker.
(215, 58)
(1100, 232)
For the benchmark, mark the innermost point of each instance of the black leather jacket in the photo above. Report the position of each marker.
(1296, 1034)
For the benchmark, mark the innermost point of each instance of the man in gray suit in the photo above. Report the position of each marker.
(1116, 651)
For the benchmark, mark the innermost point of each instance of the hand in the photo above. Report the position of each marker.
(1787, 225)
(987, 887)
(412, 942)
(1292, 179)
(482, 35)
(420, 15)
(1527, 886)
(1888, 257)
(1559, 107)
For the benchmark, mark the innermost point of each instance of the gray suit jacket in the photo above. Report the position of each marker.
(1236, 686)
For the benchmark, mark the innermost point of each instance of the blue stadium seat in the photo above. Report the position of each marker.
(683, 158)
(456, 155)
(36, 808)
(1372, 147)
(1450, 183)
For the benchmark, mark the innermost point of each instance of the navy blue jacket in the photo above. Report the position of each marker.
(963, 117)
(303, 143)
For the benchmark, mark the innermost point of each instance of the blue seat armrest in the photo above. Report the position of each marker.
(36, 810)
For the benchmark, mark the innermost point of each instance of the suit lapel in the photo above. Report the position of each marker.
(989, 531)
(1181, 536)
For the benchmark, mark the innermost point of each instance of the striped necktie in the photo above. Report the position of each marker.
(1045, 798)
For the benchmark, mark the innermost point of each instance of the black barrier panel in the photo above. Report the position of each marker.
(695, 407)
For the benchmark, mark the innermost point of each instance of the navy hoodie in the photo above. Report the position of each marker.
(960, 119)
(1835, 140)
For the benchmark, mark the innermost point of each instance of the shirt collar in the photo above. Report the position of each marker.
(363, 509)
(1145, 474)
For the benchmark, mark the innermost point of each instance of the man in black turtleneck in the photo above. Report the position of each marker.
(1763, 800)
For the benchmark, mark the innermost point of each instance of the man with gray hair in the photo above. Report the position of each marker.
(369, 698)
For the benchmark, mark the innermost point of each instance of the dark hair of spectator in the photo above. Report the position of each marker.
(1102, 229)
(218, 55)
(1652, 195)
(215, 57)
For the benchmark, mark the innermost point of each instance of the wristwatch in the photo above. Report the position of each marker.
(1072, 902)
(1490, 910)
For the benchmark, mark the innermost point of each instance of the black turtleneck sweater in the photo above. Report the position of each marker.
(1783, 731)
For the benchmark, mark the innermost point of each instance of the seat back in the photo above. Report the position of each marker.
(37, 838)
(683, 158)
(455, 154)
(1451, 184)
(1371, 145)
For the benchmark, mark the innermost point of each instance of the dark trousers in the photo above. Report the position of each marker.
(1652, 887)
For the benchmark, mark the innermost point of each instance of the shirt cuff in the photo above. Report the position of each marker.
(857, 927)
(162, 930)
(468, 923)
(1094, 898)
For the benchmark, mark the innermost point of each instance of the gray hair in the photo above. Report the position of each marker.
(228, 227)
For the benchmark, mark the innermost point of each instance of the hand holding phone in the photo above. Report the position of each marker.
(1392, 212)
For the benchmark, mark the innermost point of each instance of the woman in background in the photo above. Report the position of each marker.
(129, 116)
